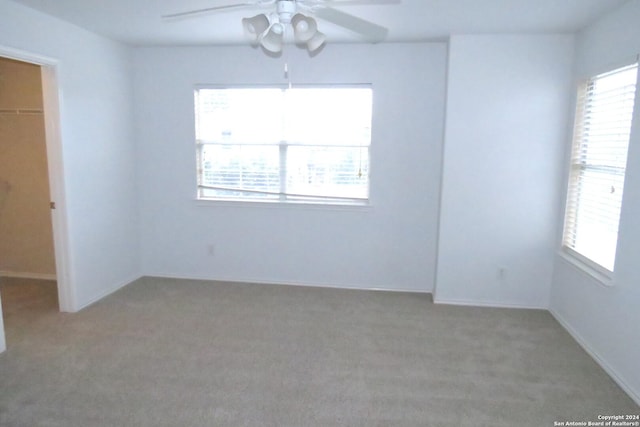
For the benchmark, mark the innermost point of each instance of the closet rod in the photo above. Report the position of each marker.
(20, 111)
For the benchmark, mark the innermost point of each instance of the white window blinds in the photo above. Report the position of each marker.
(604, 114)
(284, 144)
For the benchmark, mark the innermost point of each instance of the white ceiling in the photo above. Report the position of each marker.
(138, 22)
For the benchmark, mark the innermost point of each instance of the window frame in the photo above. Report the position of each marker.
(582, 262)
(283, 199)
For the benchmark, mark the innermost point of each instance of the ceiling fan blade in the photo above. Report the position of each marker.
(210, 9)
(370, 31)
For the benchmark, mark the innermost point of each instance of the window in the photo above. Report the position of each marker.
(284, 144)
(604, 114)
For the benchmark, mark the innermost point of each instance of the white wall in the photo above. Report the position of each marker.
(606, 319)
(390, 245)
(507, 108)
(97, 146)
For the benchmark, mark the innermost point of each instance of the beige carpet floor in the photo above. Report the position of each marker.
(188, 353)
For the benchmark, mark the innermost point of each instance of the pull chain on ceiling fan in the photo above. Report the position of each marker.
(268, 30)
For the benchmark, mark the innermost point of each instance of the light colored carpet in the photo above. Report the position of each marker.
(187, 353)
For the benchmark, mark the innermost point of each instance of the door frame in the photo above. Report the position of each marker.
(59, 218)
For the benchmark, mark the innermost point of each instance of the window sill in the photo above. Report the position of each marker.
(585, 268)
(274, 204)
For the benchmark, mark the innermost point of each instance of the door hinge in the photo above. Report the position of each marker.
(52, 205)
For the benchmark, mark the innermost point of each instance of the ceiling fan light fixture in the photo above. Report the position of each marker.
(273, 39)
(268, 30)
(256, 26)
(316, 41)
(304, 27)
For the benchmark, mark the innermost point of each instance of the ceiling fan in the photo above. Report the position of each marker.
(268, 29)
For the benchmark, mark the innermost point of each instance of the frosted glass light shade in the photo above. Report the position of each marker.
(316, 41)
(304, 28)
(255, 27)
(272, 40)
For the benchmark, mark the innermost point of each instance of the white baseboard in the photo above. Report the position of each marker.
(94, 299)
(634, 394)
(489, 304)
(27, 275)
(285, 283)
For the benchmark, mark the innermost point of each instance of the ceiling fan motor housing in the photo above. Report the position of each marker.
(286, 9)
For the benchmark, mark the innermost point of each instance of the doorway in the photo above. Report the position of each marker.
(26, 232)
(27, 258)
(30, 116)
